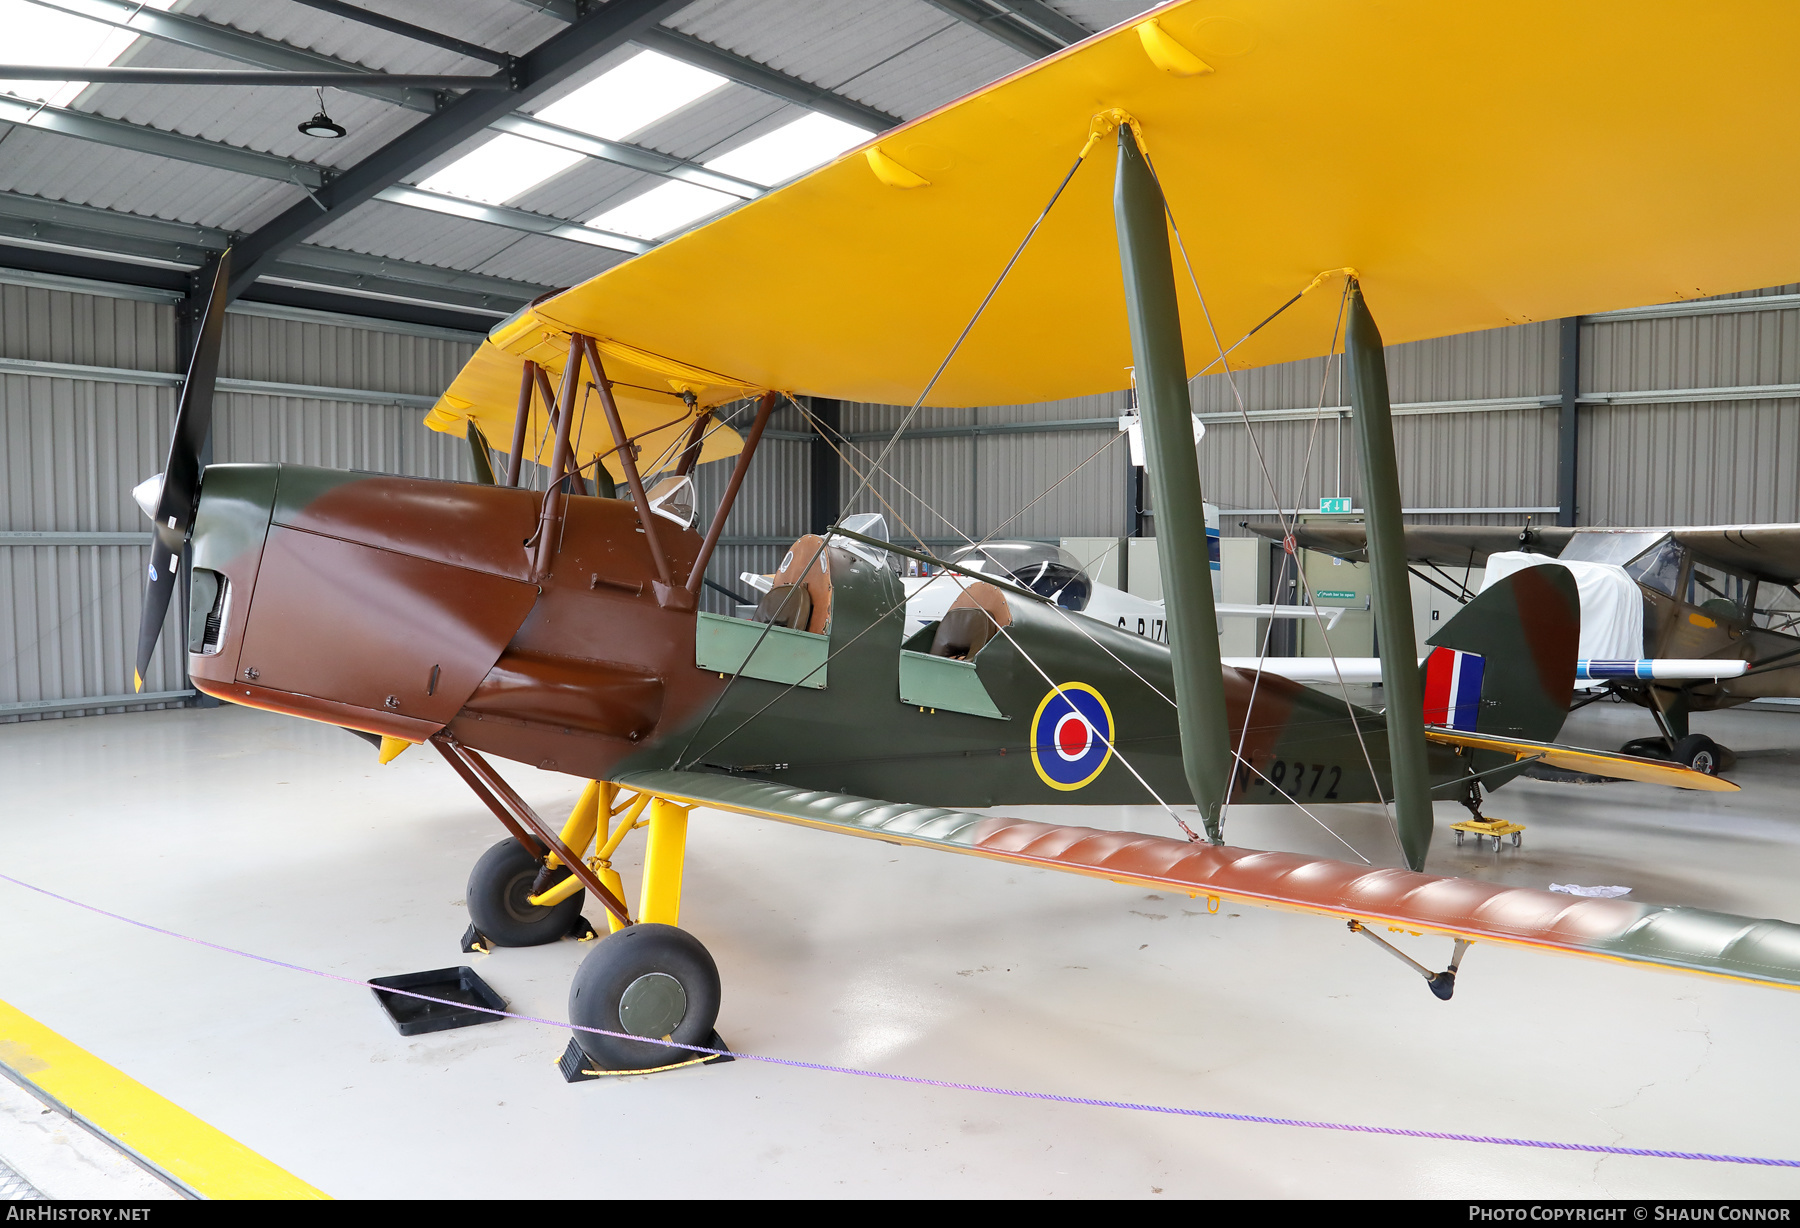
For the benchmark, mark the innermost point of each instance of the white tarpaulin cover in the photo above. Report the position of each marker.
(1612, 610)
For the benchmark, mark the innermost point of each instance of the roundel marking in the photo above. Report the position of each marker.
(1071, 736)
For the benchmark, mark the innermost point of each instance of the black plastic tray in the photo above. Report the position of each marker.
(413, 1016)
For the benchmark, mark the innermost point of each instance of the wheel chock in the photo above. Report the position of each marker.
(474, 942)
(577, 1067)
(582, 930)
(454, 998)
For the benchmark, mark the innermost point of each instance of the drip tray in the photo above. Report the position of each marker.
(462, 992)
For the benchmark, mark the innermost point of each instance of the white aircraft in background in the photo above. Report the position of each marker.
(1045, 569)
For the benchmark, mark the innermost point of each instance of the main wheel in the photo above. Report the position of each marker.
(499, 895)
(649, 980)
(1698, 752)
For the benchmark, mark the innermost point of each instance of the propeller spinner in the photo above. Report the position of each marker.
(176, 491)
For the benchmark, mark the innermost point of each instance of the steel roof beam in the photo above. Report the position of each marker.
(1065, 30)
(513, 219)
(1002, 25)
(621, 154)
(538, 71)
(220, 40)
(255, 49)
(739, 68)
(418, 34)
(215, 76)
(34, 220)
(144, 139)
(746, 71)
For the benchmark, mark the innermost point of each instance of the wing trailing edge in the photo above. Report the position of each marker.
(1577, 759)
(1684, 939)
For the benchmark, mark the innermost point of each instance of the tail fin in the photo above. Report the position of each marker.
(1505, 664)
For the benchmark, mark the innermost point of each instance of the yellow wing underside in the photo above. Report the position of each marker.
(1478, 165)
(1598, 763)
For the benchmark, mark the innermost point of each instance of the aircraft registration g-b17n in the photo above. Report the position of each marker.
(1018, 244)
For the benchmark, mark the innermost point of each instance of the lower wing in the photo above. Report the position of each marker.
(1686, 939)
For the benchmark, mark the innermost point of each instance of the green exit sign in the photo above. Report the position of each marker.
(1330, 594)
(1334, 505)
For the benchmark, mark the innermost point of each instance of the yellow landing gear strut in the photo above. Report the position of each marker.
(646, 979)
(665, 850)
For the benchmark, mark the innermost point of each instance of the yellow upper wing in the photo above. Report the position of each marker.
(1479, 164)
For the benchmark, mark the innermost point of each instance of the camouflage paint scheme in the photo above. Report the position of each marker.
(403, 606)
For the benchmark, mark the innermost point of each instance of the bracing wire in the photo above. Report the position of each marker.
(905, 422)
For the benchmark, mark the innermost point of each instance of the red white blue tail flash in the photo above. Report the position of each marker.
(1453, 688)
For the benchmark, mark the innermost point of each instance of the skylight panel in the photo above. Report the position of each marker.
(39, 35)
(631, 97)
(809, 141)
(505, 167)
(668, 207)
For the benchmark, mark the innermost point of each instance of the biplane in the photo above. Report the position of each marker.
(1024, 243)
(1714, 625)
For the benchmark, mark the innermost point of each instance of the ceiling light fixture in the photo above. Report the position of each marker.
(322, 125)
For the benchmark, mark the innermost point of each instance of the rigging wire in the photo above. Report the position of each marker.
(989, 537)
(901, 429)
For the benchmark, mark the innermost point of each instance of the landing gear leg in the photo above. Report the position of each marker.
(1442, 984)
(1480, 826)
(648, 980)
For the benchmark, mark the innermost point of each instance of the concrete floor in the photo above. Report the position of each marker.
(288, 840)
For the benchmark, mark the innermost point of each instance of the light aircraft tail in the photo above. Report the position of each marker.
(1505, 664)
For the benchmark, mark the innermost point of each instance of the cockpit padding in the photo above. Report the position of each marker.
(807, 567)
(786, 605)
(973, 619)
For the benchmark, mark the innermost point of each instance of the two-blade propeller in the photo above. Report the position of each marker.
(179, 493)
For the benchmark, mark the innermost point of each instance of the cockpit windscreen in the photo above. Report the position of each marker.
(1045, 569)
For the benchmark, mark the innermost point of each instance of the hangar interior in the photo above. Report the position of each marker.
(371, 264)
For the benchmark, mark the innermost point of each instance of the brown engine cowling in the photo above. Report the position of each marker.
(570, 694)
(369, 601)
(402, 605)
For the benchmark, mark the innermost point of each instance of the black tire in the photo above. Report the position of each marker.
(500, 885)
(628, 963)
(1698, 752)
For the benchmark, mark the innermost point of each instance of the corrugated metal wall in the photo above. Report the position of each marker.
(1458, 457)
(1047, 483)
(73, 448)
(1689, 461)
(1689, 415)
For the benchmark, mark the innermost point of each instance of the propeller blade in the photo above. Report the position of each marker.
(193, 420)
(179, 496)
(165, 569)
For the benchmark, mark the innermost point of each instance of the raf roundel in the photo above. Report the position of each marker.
(1071, 736)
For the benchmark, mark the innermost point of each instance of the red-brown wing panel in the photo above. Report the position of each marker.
(1690, 939)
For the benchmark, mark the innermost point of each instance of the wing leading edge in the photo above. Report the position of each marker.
(1685, 939)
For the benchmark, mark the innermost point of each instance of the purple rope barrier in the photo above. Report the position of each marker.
(1014, 1093)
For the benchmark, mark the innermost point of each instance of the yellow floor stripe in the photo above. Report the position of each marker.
(207, 1161)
